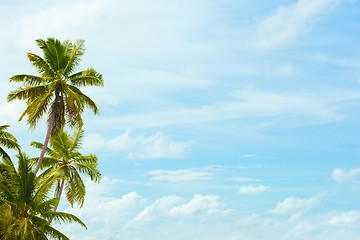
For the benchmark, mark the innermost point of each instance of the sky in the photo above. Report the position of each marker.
(219, 119)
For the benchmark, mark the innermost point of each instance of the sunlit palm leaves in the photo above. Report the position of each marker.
(65, 161)
(55, 92)
(24, 204)
(7, 140)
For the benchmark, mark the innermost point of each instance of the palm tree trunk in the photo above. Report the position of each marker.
(48, 134)
(59, 196)
(45, 143)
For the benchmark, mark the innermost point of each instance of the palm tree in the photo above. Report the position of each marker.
(7, 140)
(66, 162)
(24, 203)
(55, 92)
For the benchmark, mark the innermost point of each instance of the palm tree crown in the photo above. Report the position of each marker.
(24, 203)
(65, 161)
(55, 91)
(7, 140)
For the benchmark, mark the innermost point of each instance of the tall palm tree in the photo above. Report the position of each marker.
(7, 140)
(55, 92)
(24, 203)
(65, 161)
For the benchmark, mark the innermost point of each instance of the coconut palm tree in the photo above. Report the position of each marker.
(24, 203)
(55, 92)
(7, 140)
(67, 163)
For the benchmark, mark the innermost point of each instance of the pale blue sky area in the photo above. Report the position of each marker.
(219, 119)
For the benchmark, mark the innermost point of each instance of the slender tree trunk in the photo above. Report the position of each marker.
(51, 122)
(59, 195)
(48, 134)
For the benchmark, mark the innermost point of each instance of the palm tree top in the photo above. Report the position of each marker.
(55, 91)
(65, 160)
(24, 203)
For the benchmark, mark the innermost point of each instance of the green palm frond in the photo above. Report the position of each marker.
(39, 145)
(76, 140)
(79, 79)
(25, 205)
(37, 108)
(68, 164)
(41, 65)
(28, 93)
(75, 188)
(7, 140)
(28, 79)
(85, 99)
(77, 51)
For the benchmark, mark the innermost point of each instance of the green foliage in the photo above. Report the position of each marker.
(56, 91)
(7, 140)
(67, 163)
(24, 203)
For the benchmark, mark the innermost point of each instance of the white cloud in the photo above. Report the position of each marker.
(161, 207)
(200, 205)
(346, 62)
(296, 108)
(250, 220)
(139, 147)
(63, 19)
(295, 206)
(178, 175)
(341, 175)
(11, 112)
(244, 180)
(286, 69)
(289, 22)
(346, 219)
(253, 190)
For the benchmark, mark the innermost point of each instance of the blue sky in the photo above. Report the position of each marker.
(219, 119)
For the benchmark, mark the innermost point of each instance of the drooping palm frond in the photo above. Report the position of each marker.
(25, 205)
(7, 140)
(69, 164)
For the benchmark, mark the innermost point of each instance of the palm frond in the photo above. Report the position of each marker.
(28, 93)
(76, 140)
(30, 80)
(85, 99)
(41, 65)
(62, 217)
(88, 169)
(78, 50)
(39, 145)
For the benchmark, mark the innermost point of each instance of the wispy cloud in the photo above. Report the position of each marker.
(346, 62)
(139, 147)
(295, 206)
(199, 205)
(159, 208)
(178, 175)
(61, 19)
(253, 190)
(346, 219)
(341, 175)
(288, 22)
(299, 109)
(244, 180)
